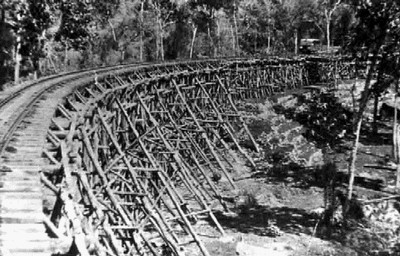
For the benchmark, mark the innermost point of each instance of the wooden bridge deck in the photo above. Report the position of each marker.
(21, 229)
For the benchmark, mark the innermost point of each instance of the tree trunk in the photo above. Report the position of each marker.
(296, 40)
(66, 56)
(395, 125)
(52, 64)
(193, 40)
(122, 54)
(353, 158)
(17, 59)
(218, 48)
(396, 139)
(159, 36)
(374, 122)
(397, 160)
(398, 178)
(161, 39)
(211, 49)
(112, 31)
(328, 34)
(237, 50)
(17, 54)
(376, 100)
(2, 28)
(35, 68)
(354, 103)
(268, 26)
(157, 41)
(328, 16)
(363, 104)
(141, 46)
(233, 39)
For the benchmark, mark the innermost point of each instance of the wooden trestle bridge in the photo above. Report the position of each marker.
(133, 156)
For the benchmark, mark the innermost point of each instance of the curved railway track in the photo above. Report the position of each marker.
(48, 83)
(21, 228)
(21, 223)
(28, 112)
(43, 85)
(159, 138)
(25, 115)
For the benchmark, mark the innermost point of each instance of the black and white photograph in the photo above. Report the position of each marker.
(199, 128)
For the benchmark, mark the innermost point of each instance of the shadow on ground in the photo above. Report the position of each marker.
(257, 220)
(300, 177)
(295, 221)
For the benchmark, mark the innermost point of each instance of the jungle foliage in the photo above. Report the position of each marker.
(39, 37)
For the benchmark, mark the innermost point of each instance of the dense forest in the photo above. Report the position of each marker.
(40, 37)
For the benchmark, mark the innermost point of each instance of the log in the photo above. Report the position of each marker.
(184, 174)
(380, 199)
(204, 136)
(197, 149)
(225, 126)
(256, 147)
(157, 220)
(48, 183)
(382, 167)
(53, 228)
(79, 236)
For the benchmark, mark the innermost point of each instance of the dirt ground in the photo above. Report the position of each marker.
(278, 206)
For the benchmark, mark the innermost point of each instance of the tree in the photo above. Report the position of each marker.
(35, 36)
(28, 21)
(165, 13)
(6, 43)
(302, 15)
(329, 7)
(390, 67)
(342, 24)
(17, 12)
(141, 31)
(206, 18)
(178, 41)
(232, 10)
(199, 20)
(74, 32)
(264, 25)
(383, 82)
(373, 26)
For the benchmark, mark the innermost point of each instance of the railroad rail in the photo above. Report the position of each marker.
(136, 156)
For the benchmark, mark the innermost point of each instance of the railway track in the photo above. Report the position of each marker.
(149, 153)
(25, 115)
(40, 87)
(28, 112)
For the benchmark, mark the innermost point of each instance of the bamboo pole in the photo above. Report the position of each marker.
(224, 125)
(204, 135)
(192, 153)
(178, 160)
(147, 200)
(256, 147)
